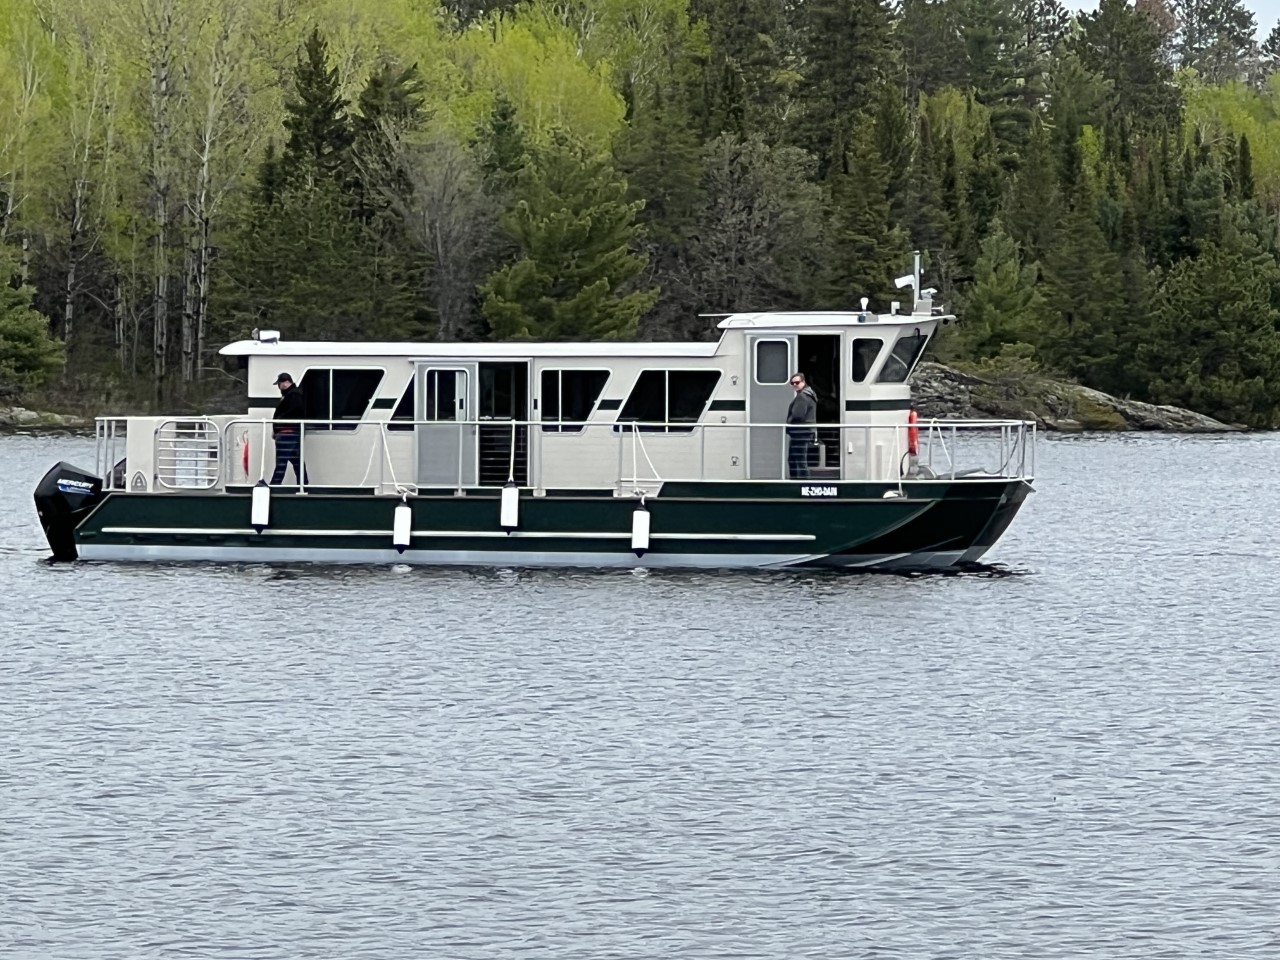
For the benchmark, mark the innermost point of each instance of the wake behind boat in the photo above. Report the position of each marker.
(598, 454)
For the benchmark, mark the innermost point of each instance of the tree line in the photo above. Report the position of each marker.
(1098, 195)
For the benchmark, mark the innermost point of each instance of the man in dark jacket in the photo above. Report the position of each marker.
(800, 434)
(288, 435)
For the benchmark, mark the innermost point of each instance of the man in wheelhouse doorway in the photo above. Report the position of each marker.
(287, 430)
(801, 434)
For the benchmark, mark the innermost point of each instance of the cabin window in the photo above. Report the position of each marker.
(902, 359)
(865, 351)
(669, 401)
(402, 416)
(569, 397)
(333, 395)
(773, 361)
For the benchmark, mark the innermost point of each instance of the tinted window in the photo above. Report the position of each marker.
(338, 395)
(903, 358)
(648, 400)
(404, 409)
(671, 400)
(687, 394)
(569, 396)
(772, 361)
(865, 351)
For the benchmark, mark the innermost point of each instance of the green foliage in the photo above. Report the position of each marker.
(575, 232)
(1213, 344)
(28, 354)
(1004, 306)
(340, 171)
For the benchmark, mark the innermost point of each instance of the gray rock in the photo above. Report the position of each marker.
(945, 392)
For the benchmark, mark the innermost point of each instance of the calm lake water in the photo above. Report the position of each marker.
(1080, 758)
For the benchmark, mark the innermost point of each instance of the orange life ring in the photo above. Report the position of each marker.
(913, 433)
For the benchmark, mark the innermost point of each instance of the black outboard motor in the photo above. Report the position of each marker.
(63, 498)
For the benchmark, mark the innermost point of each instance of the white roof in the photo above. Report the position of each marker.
(821, 318)
(463, 351)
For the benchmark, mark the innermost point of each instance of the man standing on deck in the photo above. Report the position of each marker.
(801, 435)
(288, 435)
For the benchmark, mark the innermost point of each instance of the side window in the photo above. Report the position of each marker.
(687, 394)
(865, 351)
(772, 364)
(402, 416)
(903, 358)
(669, 400)
(569, 397)
(338, 395)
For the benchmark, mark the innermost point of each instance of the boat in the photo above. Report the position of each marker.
(591, 455)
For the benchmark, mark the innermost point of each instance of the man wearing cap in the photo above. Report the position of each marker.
(287, 429)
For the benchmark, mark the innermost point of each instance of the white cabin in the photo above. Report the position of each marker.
(551, 416)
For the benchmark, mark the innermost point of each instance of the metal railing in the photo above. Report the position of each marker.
(207, 453)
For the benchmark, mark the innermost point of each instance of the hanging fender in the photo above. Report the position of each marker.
(913, 433)
(244, 453)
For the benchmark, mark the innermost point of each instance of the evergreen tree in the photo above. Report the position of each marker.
(575, 232)
(743, 82)
(28, 354)
(1212, 344)
(320, 134)
(867, 247)
(1125, 47)
(847, 54)
(1004, 305)
(1216, 38)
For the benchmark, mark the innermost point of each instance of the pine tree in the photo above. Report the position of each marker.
(1213, 344)
(575, 232)
(1004, 305)
(28, 354)
(320, 134)
(847, 54)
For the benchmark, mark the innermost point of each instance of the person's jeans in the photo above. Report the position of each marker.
(288, 450)
(798, 449)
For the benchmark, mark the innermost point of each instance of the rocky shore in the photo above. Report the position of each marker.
(943, 391)
(23, 418)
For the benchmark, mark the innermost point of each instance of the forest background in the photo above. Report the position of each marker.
(1097, 194)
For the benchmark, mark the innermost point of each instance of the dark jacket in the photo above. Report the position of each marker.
(292, 406)
(803, 409)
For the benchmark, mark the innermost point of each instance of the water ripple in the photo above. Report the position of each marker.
(1070, 753)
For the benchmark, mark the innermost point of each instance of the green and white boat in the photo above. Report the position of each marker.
(600, 454)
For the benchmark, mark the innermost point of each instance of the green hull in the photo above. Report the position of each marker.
(935, 524)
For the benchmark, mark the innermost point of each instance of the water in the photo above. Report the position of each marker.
(1077, 759)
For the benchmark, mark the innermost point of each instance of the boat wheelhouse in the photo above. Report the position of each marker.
(601, 454)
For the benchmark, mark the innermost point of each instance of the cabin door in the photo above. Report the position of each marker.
(446, 430)
(771, 359)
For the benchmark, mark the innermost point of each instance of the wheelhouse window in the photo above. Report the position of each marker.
(863, 357)
(335, 395)
(669, 401)
(569, 397)
(773, 361)
(902, 359)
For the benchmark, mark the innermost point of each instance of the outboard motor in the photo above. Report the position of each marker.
(63, 498)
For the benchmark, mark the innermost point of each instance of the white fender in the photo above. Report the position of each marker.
(260, 510)
(509, 514)
(401, 526)
(640, 529)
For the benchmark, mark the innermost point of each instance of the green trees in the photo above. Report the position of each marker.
(606, 168)
(574, 230)
(28, 355)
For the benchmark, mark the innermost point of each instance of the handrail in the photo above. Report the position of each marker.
(204, 453)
